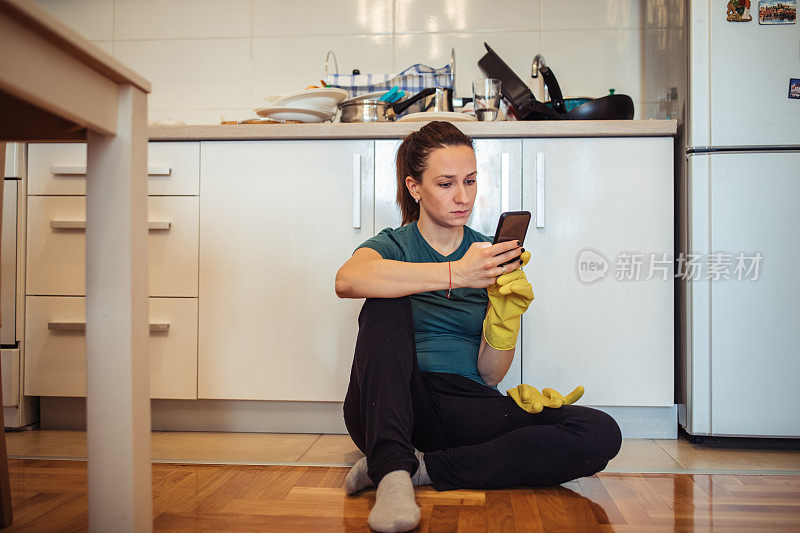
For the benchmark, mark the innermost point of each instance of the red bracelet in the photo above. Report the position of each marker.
(450, 272)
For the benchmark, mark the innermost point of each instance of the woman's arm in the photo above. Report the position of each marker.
(367, 275)
(493, 364)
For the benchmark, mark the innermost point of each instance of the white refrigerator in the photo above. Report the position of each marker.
(740, 228)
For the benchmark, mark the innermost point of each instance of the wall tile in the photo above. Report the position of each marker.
(466, 15)
(200, 116)
(321, 17)
(213, 58)
(181, 19)
(433, 49)
(656, 64)
(105, 46)
(91, 18)
(192, 73)
(589, 63)
(288, 64)
(590, 14)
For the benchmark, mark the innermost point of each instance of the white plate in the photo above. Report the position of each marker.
(425, 116)
(295, 113)
(321, 99)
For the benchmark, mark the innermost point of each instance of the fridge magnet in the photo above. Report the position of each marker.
(794, 88)
(777, 11)
(739, 11)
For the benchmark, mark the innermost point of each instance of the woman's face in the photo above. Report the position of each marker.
(448, 188)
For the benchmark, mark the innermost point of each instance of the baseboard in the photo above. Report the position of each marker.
(235, 416)
(645, 422)
(304, 417)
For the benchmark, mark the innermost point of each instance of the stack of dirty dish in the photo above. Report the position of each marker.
(310, 105)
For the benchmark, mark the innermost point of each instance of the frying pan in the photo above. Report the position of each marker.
(609, 107)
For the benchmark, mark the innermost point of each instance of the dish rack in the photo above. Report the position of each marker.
(411, 80)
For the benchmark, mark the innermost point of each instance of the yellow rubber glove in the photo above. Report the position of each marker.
(533, 401)
(510, 296)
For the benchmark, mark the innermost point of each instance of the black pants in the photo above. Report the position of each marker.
(472, 435)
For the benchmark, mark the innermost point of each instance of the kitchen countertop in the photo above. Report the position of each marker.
(397, 130)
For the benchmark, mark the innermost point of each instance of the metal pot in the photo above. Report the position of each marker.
(435, 99)
(362, 110)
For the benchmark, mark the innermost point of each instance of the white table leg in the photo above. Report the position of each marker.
(118, 366)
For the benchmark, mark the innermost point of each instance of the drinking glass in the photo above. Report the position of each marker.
(486, 95)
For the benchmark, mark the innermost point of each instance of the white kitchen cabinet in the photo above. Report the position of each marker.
(609, 198)
(60, 168)
(54, 356)
(499, 165)
(55, 340)
(57, 245)
(277, 219)
(9, 359)
(8, 264)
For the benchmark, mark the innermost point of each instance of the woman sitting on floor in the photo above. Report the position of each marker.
(423, 403)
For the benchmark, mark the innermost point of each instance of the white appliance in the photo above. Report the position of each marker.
(741, 195)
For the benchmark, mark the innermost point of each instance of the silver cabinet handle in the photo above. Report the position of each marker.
(504, 179)
(81, 326)
(356, 191)
(81, 171)
(81, 224)
(540, 190)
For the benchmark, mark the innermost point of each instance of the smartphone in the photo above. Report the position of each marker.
(512, 226)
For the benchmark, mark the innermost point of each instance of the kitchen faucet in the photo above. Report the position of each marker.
(538, 62)
(540, 89)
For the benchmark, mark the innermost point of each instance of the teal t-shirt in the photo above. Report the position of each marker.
(447, 331)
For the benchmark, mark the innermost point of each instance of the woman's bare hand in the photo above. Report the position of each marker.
(479, 267)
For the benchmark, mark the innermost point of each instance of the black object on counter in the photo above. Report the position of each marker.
(519, 95)
(513, 89)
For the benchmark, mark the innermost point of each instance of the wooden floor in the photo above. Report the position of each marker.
(51, 496)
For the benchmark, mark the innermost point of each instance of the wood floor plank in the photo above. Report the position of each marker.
(644, 493)
(555, 508)
(334, 477)
(472, 519)
(279, 482)
(312, 476)
(526, 513)
(450, 497)
(72, 514)
(499, 512)
(626, 502)
(52, 496)
(605, 510)
(444, 519)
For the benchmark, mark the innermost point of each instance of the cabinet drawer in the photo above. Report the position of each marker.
(60, 168)
(55, 347)
(10, 369)
(56, 248)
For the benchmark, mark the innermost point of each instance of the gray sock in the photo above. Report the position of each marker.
(395, 508)
(357, 478)
(421, 476)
